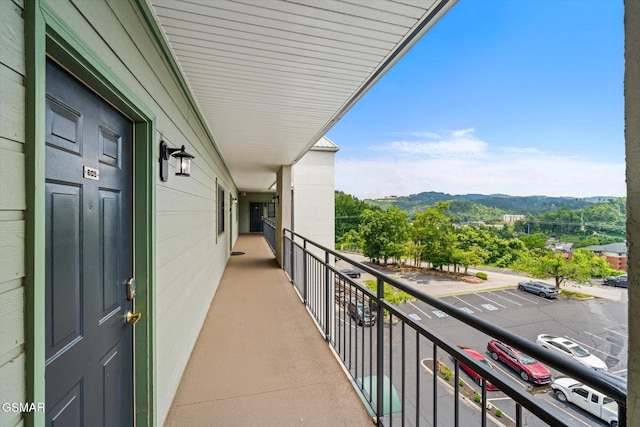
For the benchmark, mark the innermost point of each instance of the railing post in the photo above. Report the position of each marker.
(284, 250)
(293, 265)
(380, 353)
(304, 271)
(327, 295)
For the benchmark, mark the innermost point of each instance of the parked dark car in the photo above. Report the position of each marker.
(528, 367)
(361, 313)
(476, 377)
(354, 274)
(618, 281)
(543, 289)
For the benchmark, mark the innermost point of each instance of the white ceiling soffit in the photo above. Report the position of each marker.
(271, 77)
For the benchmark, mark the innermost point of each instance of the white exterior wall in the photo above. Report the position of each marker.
(314, 198)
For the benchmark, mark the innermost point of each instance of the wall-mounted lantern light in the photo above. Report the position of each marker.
(184, 161)
(235, 201)
(275, 199)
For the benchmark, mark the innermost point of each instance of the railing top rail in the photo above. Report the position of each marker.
(578, 372)
(269, 221)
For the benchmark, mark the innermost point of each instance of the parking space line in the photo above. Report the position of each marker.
(569, 414)
(345, 322)
(521, 297)
(416, 307)
(619, 372)
(500, 296)
(464, 302)
(588, 346)
(603, 339)
(595, 336)
(503, 306)
(616, 332)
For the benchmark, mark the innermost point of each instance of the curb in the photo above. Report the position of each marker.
(466, 399)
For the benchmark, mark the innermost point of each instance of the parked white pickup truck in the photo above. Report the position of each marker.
(592, 401)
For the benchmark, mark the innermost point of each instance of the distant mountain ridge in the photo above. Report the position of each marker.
(517, 205)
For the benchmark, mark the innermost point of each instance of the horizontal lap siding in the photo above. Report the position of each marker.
(189, 259)
(12, 209)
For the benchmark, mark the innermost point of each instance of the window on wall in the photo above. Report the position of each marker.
(220, 209)
(272, 210)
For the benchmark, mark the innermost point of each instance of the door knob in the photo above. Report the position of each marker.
(132, 318)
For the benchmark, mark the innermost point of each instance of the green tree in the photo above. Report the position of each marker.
(580, 268)
(466, 258)
(597, 266)
(432, 231)
(384, 233)
(351, 239)
(347, 213)
(497, 251)
(535, 241)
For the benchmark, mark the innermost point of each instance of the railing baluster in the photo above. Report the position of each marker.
(362, 358)
(304, 272)
(327, 294)
(483, 402)
(436, 369)
(380, 351)
(456, 402)
(418, 379)
(390, 367)
(403, 374)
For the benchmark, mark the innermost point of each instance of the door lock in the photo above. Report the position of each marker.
(132, 318)
(131, 289)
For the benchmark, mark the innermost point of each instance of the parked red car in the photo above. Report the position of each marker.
(476, 377)
(528, 367)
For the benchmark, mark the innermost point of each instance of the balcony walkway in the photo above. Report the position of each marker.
(259, 359)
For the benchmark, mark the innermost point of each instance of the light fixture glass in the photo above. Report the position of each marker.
(184, 161)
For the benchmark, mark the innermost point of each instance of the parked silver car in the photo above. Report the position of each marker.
(543, 289)
(571, 349)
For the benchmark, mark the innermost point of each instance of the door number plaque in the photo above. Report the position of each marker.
(91, 173)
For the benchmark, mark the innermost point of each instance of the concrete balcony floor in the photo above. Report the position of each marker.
(260, 360)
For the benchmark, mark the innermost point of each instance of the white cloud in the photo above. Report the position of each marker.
(454, 143)
(463, 147)
(431, 135)
(462, 164)
(462, 132)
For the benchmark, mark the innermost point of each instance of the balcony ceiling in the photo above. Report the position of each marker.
(271, 77)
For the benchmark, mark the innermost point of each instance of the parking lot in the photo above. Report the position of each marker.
(598, 324)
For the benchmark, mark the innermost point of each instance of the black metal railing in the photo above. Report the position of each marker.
(409, 357)
(269, 231)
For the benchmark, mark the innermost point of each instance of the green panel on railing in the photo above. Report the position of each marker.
(389, 405)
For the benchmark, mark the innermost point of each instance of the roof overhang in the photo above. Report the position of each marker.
(271, 77)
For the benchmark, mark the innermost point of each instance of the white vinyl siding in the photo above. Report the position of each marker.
(12, 209)
(188, 259)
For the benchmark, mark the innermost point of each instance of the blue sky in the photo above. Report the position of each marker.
(519, 97)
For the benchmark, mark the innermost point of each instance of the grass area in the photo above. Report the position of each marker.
(391, 294)
(574, 295)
